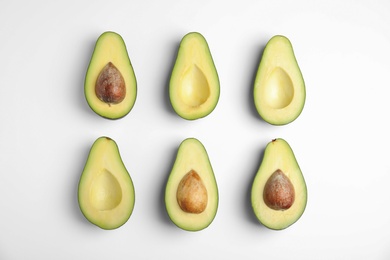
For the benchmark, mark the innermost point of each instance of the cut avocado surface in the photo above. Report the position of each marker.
(191, 193)
(279, 88)
(279, 193)
(110, 85)
(194, 85)
(106, 193)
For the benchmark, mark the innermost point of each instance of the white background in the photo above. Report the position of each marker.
(341, 139)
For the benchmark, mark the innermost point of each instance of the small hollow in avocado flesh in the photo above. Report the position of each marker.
(194, 90)
(105, 191)
(279, 89)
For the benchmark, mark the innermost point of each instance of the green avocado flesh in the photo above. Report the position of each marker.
(279, 193)
(106, 193)
(191, 193)
(110, 85)
(194, 84)
(279, 88)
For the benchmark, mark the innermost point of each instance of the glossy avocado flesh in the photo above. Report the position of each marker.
(110, 85)
(191, 193)
(279, 88)
(106, 192)
(279, 192)
(194, 84)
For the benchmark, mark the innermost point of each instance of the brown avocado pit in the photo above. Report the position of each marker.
(279, 192)
(191, 193)
(110, 86)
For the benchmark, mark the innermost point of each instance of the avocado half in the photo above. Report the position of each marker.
(106, 193)
(191, 193)
(194, 84)
(110, 85)
(279, 192)
(279, 88)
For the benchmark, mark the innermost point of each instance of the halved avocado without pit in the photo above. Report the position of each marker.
(106, 193)
(110, 85)
(279, 89)
(194, 84)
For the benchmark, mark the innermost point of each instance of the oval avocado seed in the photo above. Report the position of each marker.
(191, 193)
(110, 86)
(279, 192)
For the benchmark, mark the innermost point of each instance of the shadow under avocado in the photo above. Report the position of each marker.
(75, 186)
(161, 195)
(248, 209)
(167, 101)
(251, 104)
(81, 73)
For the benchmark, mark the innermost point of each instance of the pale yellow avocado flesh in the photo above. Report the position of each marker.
(194, 85)
(279, 89)
(191, 155)
(278, 155)
(106, 192)
(110, 47)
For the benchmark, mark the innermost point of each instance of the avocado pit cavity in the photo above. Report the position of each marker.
(195, 89)
(279, 192)
(110, 86)
(191, 193)
(279, 89)
(105, 191)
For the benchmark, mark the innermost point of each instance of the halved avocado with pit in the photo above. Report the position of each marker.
(110, 85)
(191, 193)
(279, 192)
